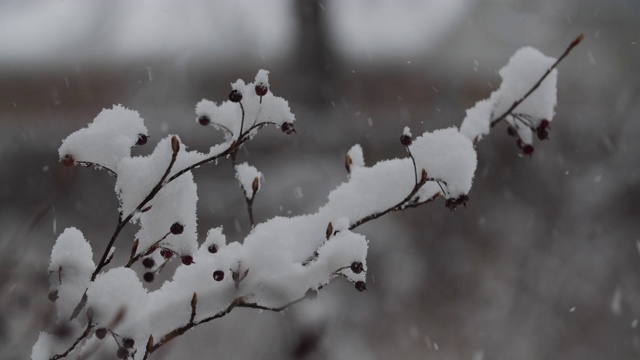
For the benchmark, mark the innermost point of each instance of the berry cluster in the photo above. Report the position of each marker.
(541, 131)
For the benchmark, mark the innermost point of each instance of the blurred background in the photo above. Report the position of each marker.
(543, 263)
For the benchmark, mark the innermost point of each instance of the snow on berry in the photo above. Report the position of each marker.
(107, 139)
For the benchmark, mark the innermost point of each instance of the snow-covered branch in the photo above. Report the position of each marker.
(283, 260)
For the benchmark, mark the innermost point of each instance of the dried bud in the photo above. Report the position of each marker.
(90, 314)
(150, 343)
(151, 250)
(213, 248)
(287, 128)
(128, 343)
(311, 294)
(423, 176)
(142, 139)
(361, 286)
(255, 185)
(261, 90)
(177, 228)
(122, 353)
(187, 260)
(329, 231)
(347, 163)
(118, 317)
(149, 276)
(194, 301)
(68, 161)
(204, 120)
(405, 140)
(577, 40)
(451, 204)
(101, 333)
(218, 275)
(134, 248)
(235, 96)
(356, 267)
(175, 144)
(148, 262)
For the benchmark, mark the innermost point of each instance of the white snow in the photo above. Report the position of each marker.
(107, 140)
(246, 175)
(70, 270)
(522, 71)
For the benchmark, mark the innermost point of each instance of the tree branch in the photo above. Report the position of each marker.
(515, 104)
(82, 336)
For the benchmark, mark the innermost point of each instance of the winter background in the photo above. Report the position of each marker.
(543, 263)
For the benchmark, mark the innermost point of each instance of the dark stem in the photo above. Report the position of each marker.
(75, 343)
(123, 222)
(566, 52)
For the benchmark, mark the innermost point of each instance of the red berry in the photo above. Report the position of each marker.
(148, 276)
(356, 267)
(405, 140)
(148, 262)
(177, 228)
(287, 128)
(218, 275)
(527, 150)
(101, 333)
(361, 286)
(128, 343)
(543, 133)
(142, 139)
(122, 353)
(544, 123)
(187, 260)
(261, 90)
(235, 96)
(204, 120)
(213, 248)
(166, 253)
(68, 161)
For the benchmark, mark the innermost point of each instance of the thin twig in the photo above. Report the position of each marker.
(133, 259)
(515, 104)
(123, 222)
(82, 336)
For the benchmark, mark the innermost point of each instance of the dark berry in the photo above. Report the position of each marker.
(148, 262)
(462, 200)
(543, 134)
(218, 275)
(142, 139)
(148, 276)
(405, 140)
(187, 260)
(512, 132)
(287, 128)
(177, 228)
(122, 353)
(235, 96)
(62, 330)
(53, 295)
(166, 253)
(356, 267)
(68, 161)
(101, 333)
(361, 286)
(451, 204)
(261, 90)
(213, 248)
(544, 123)
(204, 120)
(527, 150)
(128, 343)
(311, 294)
